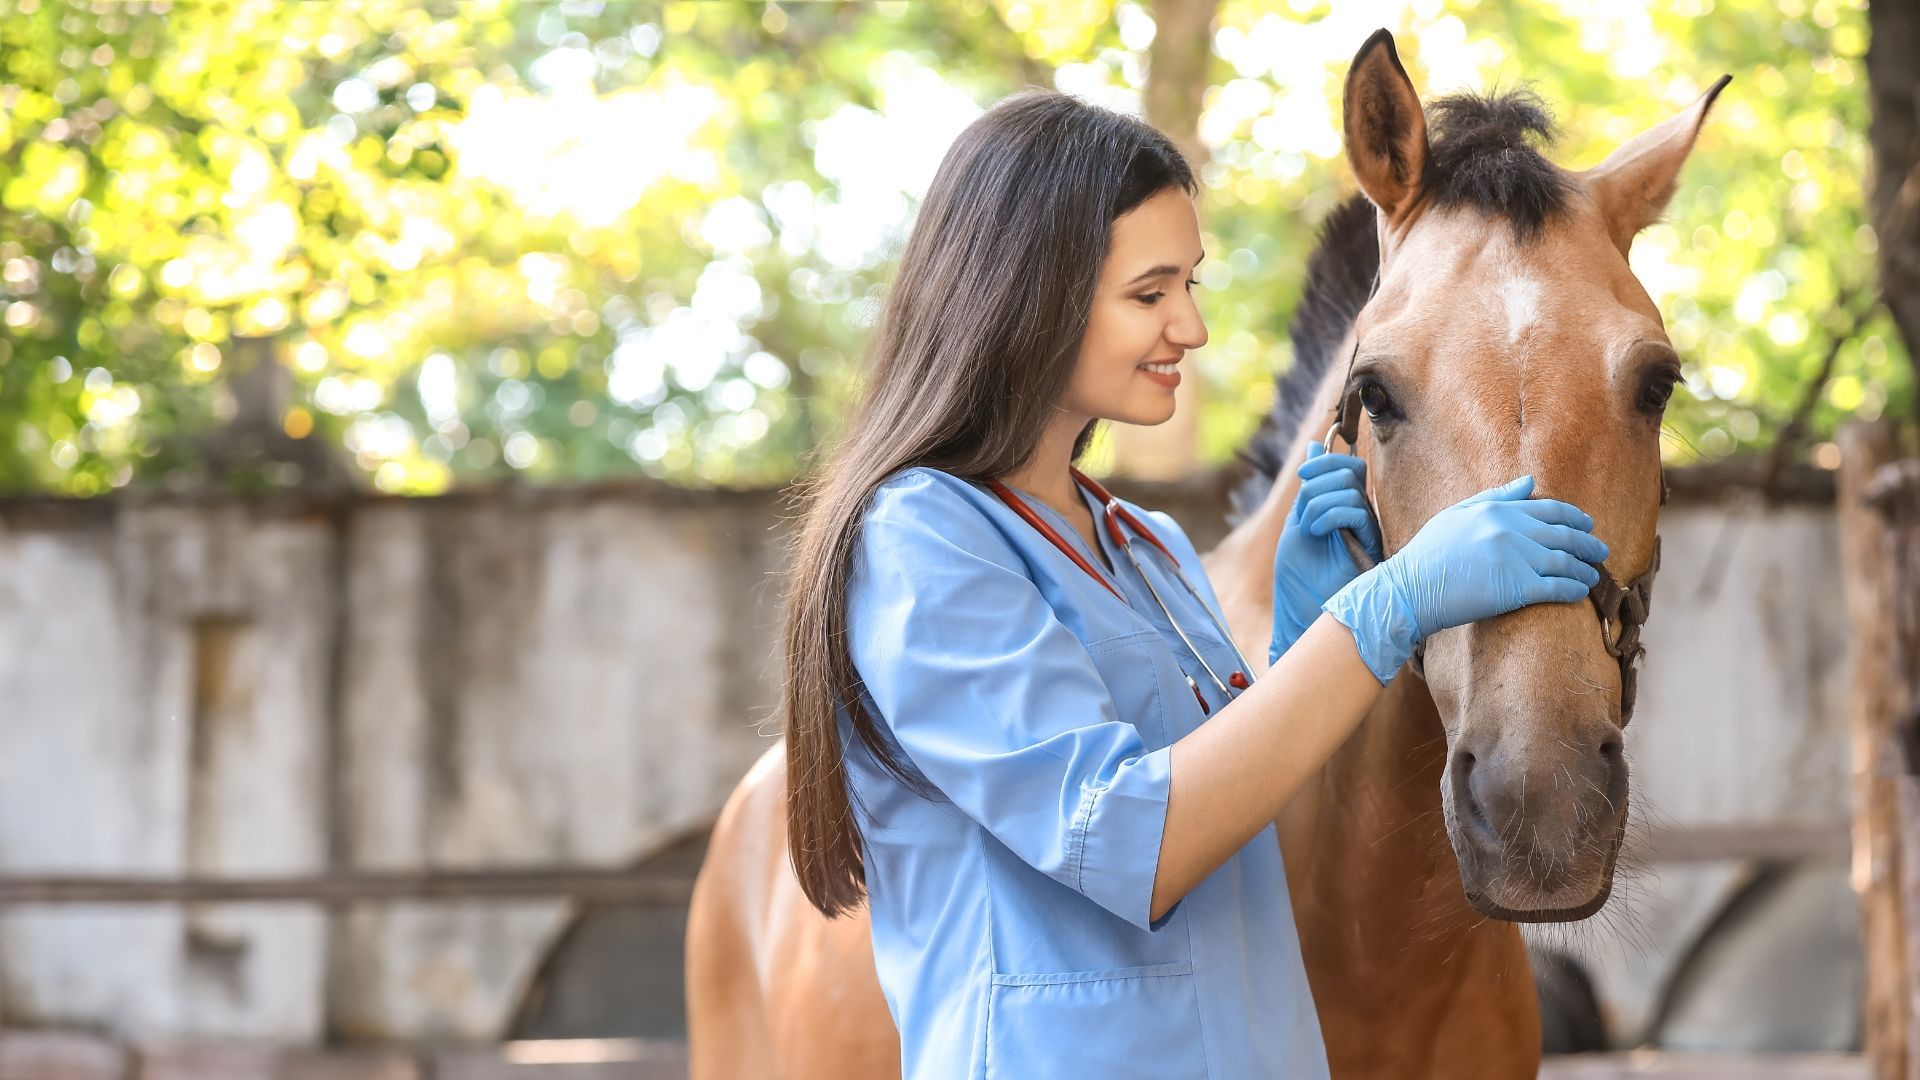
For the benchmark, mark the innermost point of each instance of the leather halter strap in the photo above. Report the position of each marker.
(1622, 609)
(1347, 413)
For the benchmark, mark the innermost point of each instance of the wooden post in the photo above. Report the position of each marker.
(1886, 791)
(1893, 491)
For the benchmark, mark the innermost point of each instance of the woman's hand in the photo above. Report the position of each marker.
(1311, 562)
(1486, 555)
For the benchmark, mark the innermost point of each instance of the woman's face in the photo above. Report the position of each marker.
(1143, 314)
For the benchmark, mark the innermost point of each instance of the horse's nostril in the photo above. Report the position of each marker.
(1612, 746)
(1467, 802)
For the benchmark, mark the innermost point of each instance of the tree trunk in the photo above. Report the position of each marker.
(1893, 81)
(1881, 549)
(1177, 64)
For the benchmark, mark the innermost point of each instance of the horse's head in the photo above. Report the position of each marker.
(1508, 336)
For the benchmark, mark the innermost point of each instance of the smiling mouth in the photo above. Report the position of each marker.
(1167, 368)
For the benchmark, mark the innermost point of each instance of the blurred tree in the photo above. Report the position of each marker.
(1179, 71)
(1763, 251)
(1895, 132)
(573, 239)
(487, 237)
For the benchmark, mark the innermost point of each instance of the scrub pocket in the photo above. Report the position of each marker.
(1128, 665)
(1120, 1022)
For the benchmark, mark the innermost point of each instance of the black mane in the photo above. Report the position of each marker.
(1480, 156)
(1339, 277)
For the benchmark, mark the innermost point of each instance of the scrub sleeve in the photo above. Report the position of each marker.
(998, 704)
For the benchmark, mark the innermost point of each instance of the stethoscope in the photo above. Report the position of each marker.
(1117, 516)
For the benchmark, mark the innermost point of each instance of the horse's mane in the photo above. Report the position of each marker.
(1481, 156)
(1339, 277)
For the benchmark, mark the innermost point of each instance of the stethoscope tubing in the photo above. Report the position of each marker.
(1355, 548)
(1119, 519)
(1114, 509)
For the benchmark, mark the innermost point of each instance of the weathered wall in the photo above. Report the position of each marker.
(1743, 715)
(515, 678)
(1742, 721)
(232, 688)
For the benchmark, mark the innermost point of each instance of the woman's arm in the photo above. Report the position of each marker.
(1234, 773)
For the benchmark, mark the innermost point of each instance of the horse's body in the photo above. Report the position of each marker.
(1411, 974)
(776, 990)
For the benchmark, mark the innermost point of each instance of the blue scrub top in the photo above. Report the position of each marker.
(1010, 921)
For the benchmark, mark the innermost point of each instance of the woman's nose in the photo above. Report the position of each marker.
(1189, 331)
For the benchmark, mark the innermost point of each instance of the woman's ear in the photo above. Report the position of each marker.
(1386, 132)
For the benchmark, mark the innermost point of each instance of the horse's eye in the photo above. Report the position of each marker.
(1654, 395)
(1374, 399)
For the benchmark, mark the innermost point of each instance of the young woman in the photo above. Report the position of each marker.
(1065, 797)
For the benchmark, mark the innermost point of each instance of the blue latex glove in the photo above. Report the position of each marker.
(1311, 562)
(1485, 555)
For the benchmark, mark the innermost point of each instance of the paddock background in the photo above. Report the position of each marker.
(558, 269)
(226, 687)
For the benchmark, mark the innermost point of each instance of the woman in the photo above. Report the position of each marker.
(1065, 829)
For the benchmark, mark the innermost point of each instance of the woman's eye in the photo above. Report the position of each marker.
(1374, 399)
(1150, 298)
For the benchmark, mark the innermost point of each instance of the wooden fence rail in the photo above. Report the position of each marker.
(673, 885)
(332, 890)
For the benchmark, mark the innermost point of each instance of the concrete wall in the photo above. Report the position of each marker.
(1742, 721)
(514, 678)
(263, 688)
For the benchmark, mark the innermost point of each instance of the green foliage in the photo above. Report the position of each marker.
(1764, 253)
(573, 240)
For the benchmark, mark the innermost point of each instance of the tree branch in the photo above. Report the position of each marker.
(1795, 428)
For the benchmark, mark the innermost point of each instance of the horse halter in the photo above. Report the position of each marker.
(1622, 608)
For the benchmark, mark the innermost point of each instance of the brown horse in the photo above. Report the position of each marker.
(1506, 335)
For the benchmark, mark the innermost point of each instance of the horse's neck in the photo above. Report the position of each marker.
(1384, 925)
(1365, 837)
(1374, 882)
(1385, 928)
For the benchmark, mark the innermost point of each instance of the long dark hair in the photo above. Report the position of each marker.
(978, 339)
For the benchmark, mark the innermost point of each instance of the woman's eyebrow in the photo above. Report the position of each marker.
(1163, 268)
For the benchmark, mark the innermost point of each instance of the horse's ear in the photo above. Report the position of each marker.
(1633, 185)
(1385, 129)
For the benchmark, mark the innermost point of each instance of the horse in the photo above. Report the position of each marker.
(1470, 316)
